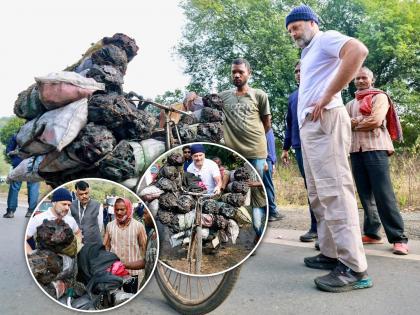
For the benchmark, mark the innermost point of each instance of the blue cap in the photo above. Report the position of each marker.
(301, 13)
(197, 148)
(61, 194)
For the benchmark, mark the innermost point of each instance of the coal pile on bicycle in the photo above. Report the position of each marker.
(80, 122)
(181, 202)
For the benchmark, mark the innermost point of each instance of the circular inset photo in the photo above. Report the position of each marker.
(210, 207)
(91, 245)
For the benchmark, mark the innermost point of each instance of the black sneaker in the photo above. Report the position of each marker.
(8, 215)
(343, 279)
(309, 237)
(29, 214)
(276, 217)
(317, 245)
(321, 262)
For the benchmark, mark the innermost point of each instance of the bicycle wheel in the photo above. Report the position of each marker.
(194, 294)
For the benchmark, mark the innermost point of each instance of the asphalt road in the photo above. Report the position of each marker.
(274, 281)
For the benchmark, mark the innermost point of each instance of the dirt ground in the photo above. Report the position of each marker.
(299, 219)
(228, 255)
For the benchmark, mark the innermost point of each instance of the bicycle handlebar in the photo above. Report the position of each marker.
(200, 194)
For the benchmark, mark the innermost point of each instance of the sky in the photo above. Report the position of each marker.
(39, 37)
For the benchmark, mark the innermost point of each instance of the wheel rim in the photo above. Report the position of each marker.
(190, 290)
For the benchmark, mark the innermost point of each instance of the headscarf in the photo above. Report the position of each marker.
(128, 207)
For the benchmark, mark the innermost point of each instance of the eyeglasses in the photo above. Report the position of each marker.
(187, 152)
(297, 70)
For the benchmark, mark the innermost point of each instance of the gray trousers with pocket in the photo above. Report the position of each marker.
(326, 146)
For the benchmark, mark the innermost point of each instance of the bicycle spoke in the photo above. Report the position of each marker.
(208, 280)
(201, 287)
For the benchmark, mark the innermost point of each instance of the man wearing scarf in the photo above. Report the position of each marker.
(374, 125)
(126, 237)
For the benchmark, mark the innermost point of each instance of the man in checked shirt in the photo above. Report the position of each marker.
(373, 128)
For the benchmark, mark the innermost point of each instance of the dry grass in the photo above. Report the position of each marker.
(290, 189)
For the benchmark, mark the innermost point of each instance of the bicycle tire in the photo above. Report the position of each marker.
(217, 297)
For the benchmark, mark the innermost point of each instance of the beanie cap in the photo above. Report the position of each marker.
(197, 148)
(61, 194)
(301, 13)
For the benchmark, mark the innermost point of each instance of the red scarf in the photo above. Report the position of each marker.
(392, 122)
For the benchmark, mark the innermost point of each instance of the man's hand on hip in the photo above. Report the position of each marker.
(319, 107)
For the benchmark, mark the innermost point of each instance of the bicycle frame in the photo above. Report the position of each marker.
(195, 244)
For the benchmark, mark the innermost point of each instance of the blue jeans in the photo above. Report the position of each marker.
(299, 160)
(269, 187)
(258, 214)
(258, 220)
(12, 197)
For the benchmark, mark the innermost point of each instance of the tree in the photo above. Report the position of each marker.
(221, 30)
(11, 127)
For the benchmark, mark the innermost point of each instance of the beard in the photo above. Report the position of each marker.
(306, 37)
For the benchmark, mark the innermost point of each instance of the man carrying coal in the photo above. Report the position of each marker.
(61, 200)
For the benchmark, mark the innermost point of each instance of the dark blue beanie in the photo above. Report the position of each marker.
(197, 148)
(301, 13)
(61, 194)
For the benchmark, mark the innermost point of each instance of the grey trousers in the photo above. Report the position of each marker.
(326, 146)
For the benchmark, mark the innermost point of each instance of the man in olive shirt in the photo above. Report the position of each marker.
(248, 116)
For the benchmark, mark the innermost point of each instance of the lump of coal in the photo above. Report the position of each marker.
(165, 217)
(236, 200)
(186, 203)
(187, 133)
(227, 210)
(119, 115)
(187, 120)
(169, 172)
(167, 185)
(213, 101)
(241, 174)
(210, 132)
(111, 55)
(192, 183)
(210, 206)
(238, 187)
(45, 265)
(120, 164)
(123, 41)
(54, 235)
(92, 143)
(211, 115)
(168, 201)
(220, 223)
(109, 75)
(28, 105)
(175, 159)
